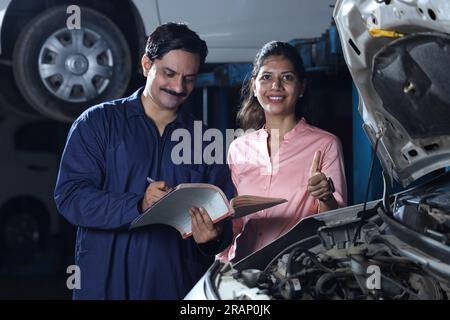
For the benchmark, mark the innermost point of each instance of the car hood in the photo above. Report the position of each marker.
(398, 53)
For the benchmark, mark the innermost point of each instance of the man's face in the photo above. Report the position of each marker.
(171, 79)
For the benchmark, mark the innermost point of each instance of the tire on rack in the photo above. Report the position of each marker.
(22, 234)
(11, 100)
(62, 71)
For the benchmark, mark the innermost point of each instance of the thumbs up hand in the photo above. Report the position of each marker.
(318, 185)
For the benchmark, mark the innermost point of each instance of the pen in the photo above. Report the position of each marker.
(150, 180)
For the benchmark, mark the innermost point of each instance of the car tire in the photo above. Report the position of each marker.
(62, 71)
(22, 233)
(11, 100)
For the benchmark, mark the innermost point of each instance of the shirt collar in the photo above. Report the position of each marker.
(299, 127)
(134, 104)
(135, 108)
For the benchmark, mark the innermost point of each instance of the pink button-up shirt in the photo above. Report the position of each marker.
(285, 175)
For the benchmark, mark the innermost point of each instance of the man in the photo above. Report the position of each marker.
(111, 150)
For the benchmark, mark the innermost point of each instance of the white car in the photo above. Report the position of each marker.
(60, 71)
(397, 248)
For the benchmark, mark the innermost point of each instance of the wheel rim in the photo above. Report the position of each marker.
(76, 65)
(21, 232)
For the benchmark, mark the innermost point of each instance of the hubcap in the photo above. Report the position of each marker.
(76, 65)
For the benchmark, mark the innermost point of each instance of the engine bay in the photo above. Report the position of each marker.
(398, 254)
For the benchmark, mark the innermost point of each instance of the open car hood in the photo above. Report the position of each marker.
(398, 53)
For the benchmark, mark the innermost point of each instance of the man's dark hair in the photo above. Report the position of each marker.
(173, 36)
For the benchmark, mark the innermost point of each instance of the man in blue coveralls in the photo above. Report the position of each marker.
(102, 183)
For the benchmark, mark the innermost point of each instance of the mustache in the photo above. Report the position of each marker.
(174, 93)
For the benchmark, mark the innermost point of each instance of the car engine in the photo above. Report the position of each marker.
(366, 258)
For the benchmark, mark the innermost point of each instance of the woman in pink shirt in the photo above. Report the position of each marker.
(285, 157)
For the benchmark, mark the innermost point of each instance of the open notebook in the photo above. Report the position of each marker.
(173, 208)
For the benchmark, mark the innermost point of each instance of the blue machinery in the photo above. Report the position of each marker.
(323, 55)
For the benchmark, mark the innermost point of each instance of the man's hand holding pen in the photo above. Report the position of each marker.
(155, 191)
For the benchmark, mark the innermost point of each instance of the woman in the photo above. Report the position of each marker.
(285, 157)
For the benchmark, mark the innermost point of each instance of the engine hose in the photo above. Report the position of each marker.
(323, 279)
(296, 252)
